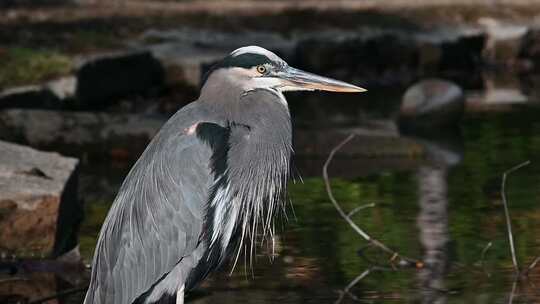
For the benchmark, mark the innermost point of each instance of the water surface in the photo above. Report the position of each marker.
(442, 206)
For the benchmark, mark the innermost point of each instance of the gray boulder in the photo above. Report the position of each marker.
(121, 136)
(190, 52)
(431, 105)
(39, 209)
(378, 59)
(384, 57)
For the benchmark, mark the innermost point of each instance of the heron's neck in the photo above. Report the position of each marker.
(223, 87)
(254, 184)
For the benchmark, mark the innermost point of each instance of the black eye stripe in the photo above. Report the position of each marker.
(246, 60)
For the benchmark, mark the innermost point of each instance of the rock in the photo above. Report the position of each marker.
(29, 97)
(187, 61)
(99, 80)
(92, 134)
(56, 94)
(39, 209)
(455, 54)
(385, 59)
(64, 88)
(105, 77)
(501, 91)
(429, 56)
(191, 51)
(463, 54)
(530, 49)
(529, 85)
(502, 40)
(430, 105)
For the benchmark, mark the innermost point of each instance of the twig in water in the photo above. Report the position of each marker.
(534, 263)
(355, 210)
(512, 293)
(507, 213)
(531, 266)
(402, 259)
(480, 263)
(351, 285)
(484, 251)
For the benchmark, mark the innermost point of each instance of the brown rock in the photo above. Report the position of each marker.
(35, 189)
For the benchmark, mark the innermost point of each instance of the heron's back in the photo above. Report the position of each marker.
(156, 219)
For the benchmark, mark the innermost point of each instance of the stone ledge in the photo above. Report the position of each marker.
(35, 187)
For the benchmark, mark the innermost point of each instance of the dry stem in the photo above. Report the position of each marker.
(395, 255)
(351, 285)
(507, 213)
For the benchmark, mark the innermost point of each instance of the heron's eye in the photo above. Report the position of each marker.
(261, 69)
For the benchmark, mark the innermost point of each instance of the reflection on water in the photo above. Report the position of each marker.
(433, 228)
(432, 219)
(442, 205)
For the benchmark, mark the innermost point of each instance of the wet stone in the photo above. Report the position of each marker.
(379, 59)
(64, 88)
(120, 136)
(503, 40)
(392, 57)
(431, 105)
(463, 54)
(110, 76)
(530, 48)
(29, 97)
(39, 209)
(190, 52)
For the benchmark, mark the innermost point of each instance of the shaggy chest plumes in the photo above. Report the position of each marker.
(251, 167)
(245, 197)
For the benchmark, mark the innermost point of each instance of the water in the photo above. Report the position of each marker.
(442, 207)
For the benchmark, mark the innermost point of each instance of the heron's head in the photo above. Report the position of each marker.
(254, 67)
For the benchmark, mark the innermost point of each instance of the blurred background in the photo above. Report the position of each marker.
(452, 104)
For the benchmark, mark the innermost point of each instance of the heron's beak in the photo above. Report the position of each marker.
(298, 80)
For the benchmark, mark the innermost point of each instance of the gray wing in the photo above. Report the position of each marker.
(157, 217)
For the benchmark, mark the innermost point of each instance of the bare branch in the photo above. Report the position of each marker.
(480, 262)
(360, 208)
(507, 213)
(351, 285)
(512, 293)
(380, 245)
(534, 263)
(484, 251)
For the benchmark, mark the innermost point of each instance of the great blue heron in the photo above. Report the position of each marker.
(207, 183)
